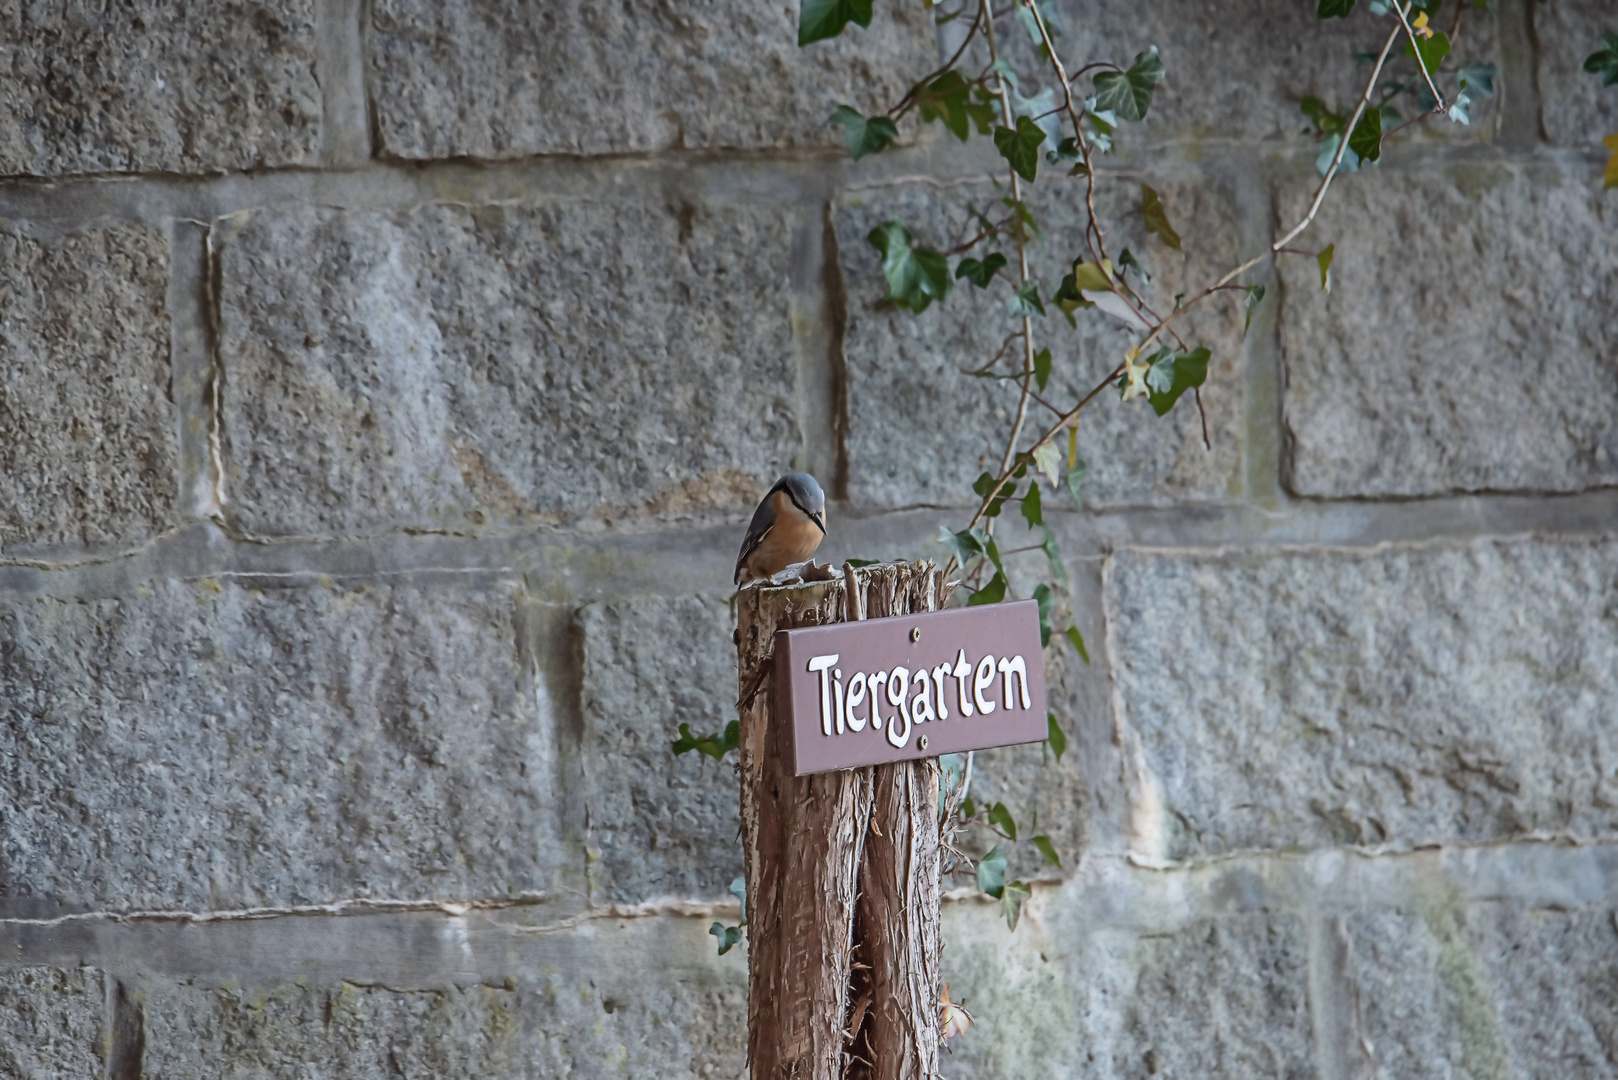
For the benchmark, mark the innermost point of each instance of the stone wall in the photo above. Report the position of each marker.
(383, 386)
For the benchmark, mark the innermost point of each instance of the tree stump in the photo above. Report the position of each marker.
(842, 868)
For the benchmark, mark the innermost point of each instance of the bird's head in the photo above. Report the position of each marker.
(806, 495)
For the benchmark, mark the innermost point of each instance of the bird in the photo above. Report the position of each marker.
(787, 527)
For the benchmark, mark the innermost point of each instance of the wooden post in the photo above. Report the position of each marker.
(842, 868)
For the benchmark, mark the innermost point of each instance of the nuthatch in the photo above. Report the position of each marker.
(786, 528)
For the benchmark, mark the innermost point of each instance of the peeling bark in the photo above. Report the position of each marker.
(842, 868)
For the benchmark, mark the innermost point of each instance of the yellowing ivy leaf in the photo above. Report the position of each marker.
(1609, 178)
(1047, 459)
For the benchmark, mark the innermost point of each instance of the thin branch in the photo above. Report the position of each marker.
(1229, 276)
(1421, 62)
(987, 11)
(910, 97)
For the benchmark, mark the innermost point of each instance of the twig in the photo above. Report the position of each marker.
(987, 11)
(1421, 62)
(910, 97)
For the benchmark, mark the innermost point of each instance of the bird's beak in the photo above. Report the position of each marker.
(820, 522)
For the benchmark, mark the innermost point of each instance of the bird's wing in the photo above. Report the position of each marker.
(757, 529)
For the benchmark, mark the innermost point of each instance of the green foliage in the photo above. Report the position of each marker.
(916, 276)
(714, 746)
(1011, 901)
(864, 135)
(1001, 819)
(1604, 61)
(728, 936)
(992, 593)
(1129, 93)
(1047, 850)
(819, 20)
(1026, 301)
(984, 484)
(1020, 147)
(1255, 294)
(1042, 596)
(1032, 511)
(1157, 219)
(1366, 141)
(1055, 736)
(1171, 374)
(1433, 51)
(1042, 368)
(1128, 262)
(1077, 639)
(992, 872)
(1323, 260)
(1334, 9)
(980, 271)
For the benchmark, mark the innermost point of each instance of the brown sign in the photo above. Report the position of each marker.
(896, 689)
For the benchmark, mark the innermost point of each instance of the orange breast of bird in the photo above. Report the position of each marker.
(793, 538)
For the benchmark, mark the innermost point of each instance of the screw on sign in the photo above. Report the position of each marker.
(879, 690)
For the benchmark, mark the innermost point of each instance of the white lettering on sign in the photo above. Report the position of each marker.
(982, 679)
(822, 664)
(1008, 667)
(961, 671)
(928, 703)
(856, 698)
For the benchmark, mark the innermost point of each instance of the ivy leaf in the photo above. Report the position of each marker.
(1021, 147)
(864, 135)
(1077, 639)
(992, 593)
(984, 484)
(968, 810)
(1324, 259)
(1604, 62)
(1047, 459)
(1047, 850)
(822, 19)
(1324, 120)
(1433, 51)
(1479, 78)
(1042, 367)
(686, 742)
(947, 98)
(1172, 376)
(1093, 277)
(1032, 511)
(965, 545)
(1157, 219)
(916, 276)
(1042, 596)
(728, 936)
(1334, 9)
(738, 889)
(714, 746)
(1129, 93)
(1053, 554)
(1027, 301)
(992, 872)
(1055, 736)
(1366, 141)
(980, 272)
(999, 815)
(1609, 177)
(1255, 294)
(1127, 261)
(1016, 895)
(1077, 470)
(1328, 151)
